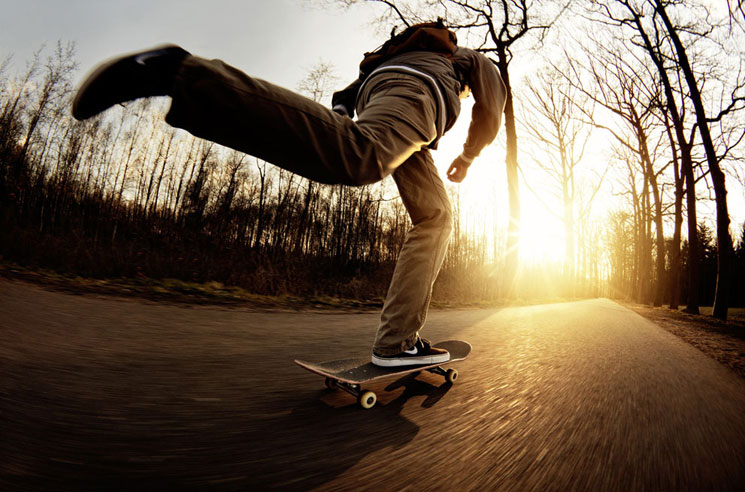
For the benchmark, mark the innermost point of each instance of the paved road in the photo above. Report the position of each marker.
(125, 394)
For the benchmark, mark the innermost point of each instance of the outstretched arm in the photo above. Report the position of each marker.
(490, 95)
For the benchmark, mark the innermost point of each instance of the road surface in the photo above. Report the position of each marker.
(122, 394)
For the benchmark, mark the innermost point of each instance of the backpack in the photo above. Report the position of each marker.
(427, 36)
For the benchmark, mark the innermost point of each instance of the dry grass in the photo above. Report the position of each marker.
(179, 292)
(216, 293)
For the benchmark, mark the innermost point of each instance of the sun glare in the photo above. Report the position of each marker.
(483, 205)
(482, 198)
(541, 231)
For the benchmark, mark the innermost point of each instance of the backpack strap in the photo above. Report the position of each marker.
(426, 36)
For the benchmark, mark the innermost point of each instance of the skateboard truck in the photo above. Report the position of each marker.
(367, 399)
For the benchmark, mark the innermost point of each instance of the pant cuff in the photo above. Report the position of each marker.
(404, 345)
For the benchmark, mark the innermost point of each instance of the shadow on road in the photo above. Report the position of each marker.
(415, 387)
(134, 445)
(322, 441)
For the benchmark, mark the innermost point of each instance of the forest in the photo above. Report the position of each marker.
(659, 85)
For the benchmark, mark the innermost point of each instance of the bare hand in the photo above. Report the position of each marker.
(458, 170)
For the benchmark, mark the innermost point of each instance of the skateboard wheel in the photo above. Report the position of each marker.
(367, 399)
(451, 375)
(330, 383)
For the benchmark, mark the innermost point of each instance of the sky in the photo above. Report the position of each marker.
(280, 41)
(274, 39)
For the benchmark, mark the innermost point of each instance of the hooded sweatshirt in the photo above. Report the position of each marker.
(448, 78)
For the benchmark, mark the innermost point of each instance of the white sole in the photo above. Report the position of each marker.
(410, 361)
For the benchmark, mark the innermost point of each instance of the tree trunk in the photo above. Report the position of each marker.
(675, 263)
(693, 241)
(724, 239)
(660, 238)
(513, 186)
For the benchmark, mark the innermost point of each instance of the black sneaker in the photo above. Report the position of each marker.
(125, 78)
(421, 353)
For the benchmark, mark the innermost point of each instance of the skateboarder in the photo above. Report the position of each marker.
(405, 101)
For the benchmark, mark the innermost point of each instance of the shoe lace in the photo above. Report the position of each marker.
(426, 344)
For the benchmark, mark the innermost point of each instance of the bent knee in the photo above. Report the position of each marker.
(440, 219)
(446, 221)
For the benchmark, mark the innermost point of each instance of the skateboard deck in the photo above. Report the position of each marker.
(350, 374)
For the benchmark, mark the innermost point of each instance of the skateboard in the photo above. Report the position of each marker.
(350, 374)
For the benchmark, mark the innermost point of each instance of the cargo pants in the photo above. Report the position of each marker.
(396, 121)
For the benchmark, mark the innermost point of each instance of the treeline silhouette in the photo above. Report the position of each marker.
(631, 254)
(124, 195)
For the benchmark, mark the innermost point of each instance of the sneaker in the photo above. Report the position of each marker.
(125, 78)
(421, 353)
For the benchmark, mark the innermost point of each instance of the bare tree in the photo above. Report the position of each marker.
(659, 12)
(554, 122)
(736, 10)
(11, 126)
(618, 86)
(163, 156)
(261, 166)
(674, 108)
(197, 193)
(55, 85)
(132, 144)
(318, 84)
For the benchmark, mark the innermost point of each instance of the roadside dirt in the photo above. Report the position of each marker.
(723, 341)
(171, 291)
